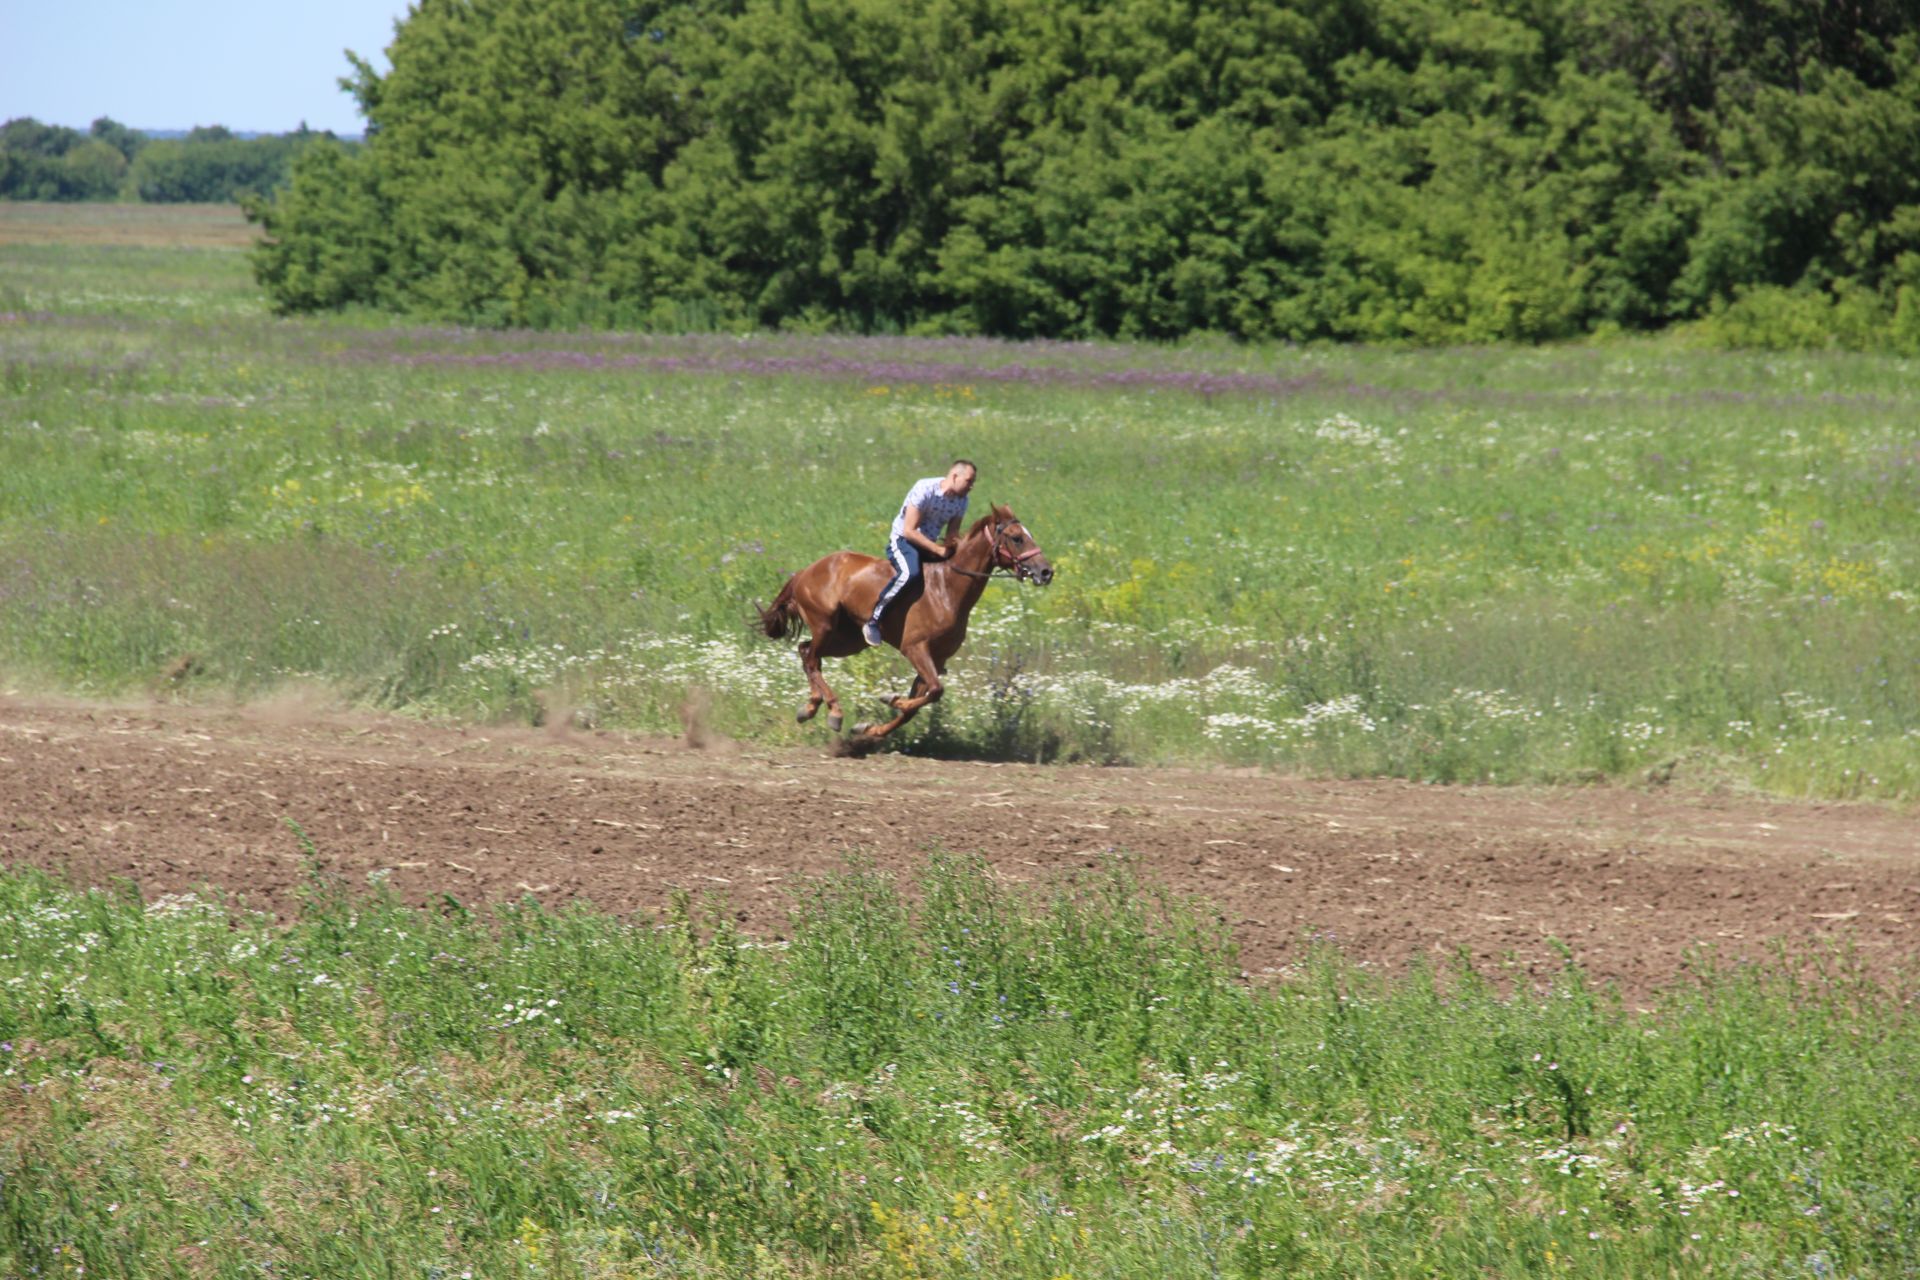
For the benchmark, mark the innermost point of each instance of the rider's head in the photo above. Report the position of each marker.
(960, 476)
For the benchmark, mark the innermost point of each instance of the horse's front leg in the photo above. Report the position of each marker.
(926, 688)
(919, 688)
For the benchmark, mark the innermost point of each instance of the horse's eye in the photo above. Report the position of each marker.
(1019, 537)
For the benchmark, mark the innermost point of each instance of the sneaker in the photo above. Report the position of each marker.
(872, 632)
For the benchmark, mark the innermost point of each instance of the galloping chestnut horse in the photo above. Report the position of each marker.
(832, 596)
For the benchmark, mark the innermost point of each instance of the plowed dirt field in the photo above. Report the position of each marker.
(173, 797)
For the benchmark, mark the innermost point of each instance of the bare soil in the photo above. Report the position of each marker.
(174, 797)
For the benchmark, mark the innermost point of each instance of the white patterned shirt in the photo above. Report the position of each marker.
(936, 508)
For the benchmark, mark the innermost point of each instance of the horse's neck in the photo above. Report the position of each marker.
(977, 552)
(975, 556)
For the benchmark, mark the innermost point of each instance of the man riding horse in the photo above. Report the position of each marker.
(932, 502)
(848, 601)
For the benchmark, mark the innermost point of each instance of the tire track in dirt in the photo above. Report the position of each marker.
(173, 797)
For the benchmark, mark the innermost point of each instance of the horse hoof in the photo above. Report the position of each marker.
(804, 714)
(862, 729)
(834, 721)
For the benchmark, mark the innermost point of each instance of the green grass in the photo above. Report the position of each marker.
(1494, 564)
(990, 1082)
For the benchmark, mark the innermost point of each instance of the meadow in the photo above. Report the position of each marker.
(1494, 564)
(1490, 564)
(992, 1082)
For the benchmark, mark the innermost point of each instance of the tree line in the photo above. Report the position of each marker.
(1384, 170)
(110, 161)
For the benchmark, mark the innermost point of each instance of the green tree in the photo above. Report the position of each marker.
(214, 165)
(92, 171)
(52, 162)
(326, 243)
(1413, 170)
(118, 136)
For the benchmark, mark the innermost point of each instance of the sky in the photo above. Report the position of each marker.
(174, 64)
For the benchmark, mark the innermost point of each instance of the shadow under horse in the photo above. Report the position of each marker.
(832, 597)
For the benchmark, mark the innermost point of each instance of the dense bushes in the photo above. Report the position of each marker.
(1352, 169)
(211, 164)
(51, 162)
(214, 165)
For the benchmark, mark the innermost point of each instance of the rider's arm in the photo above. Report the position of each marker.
(953, 531)
(910, 530)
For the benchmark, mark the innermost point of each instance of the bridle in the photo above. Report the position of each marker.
(1004, 556)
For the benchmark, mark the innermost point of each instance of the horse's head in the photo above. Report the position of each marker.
(1015, 548)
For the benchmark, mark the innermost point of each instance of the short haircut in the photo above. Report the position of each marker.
(964, 462)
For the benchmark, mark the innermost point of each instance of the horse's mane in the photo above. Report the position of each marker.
(994, 515)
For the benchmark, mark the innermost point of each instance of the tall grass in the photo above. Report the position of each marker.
(1456, 565)
(977, 1081)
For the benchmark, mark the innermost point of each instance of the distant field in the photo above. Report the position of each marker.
(204, 226)
(1489, 564)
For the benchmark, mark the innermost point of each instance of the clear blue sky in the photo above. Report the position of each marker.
(173, 64)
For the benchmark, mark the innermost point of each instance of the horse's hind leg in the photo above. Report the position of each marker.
(817, 683)
(815, 697)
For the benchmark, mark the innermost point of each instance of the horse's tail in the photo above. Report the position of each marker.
(775, 617)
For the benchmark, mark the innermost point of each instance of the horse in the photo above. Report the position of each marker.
(833, 596)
